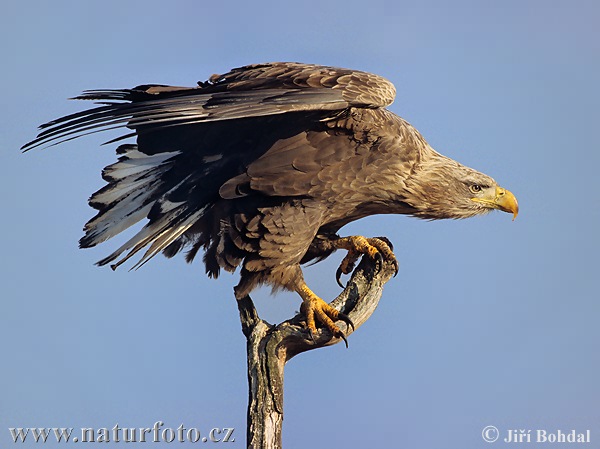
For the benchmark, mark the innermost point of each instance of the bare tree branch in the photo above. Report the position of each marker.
(269, 347)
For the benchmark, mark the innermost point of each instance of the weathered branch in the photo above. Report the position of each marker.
(269, 347)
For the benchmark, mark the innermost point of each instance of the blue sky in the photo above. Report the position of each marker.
(489, 322)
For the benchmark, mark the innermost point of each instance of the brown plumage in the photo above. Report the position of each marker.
(262, 166)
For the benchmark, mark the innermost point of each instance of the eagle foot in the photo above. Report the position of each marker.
(315, 309)
(377, 248)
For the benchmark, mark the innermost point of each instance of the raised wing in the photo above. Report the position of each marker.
(251, 91)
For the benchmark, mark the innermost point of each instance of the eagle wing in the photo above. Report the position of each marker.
(251, 91)
(196, 146)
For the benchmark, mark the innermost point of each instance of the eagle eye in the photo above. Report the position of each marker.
(475, 188)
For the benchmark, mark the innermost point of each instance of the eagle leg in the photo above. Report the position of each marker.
(315, 309)
(378, 248)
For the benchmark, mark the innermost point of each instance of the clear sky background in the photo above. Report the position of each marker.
(489, 322)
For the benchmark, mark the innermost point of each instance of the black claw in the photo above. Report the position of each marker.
(343, 337)
(346, 319)
(338, 276)
(312, 336)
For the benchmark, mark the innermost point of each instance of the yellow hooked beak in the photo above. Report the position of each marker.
(502, 199)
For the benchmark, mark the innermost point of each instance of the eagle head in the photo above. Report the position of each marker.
(444, 188)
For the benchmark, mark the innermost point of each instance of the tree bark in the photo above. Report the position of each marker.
(269, 347)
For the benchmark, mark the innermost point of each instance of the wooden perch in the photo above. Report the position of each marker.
(269, 347)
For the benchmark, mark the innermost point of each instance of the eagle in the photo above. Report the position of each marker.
(261, 167)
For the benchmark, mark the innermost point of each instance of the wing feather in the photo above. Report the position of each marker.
(251, 91)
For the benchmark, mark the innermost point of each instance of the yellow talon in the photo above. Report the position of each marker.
(315, 309)
(377, 248)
